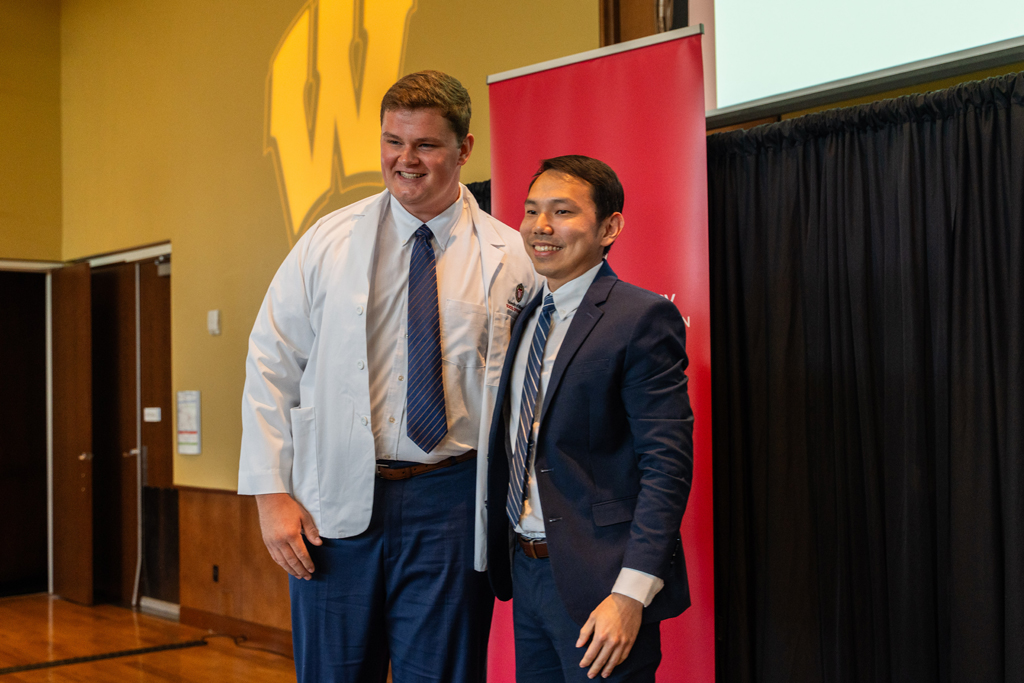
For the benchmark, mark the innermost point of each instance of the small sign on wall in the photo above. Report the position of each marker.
(189, 442)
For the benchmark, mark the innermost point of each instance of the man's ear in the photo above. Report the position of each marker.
(611, 228)
(465, 149)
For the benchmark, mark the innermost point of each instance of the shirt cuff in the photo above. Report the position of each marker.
(638, 585)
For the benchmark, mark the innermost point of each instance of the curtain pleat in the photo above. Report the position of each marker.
(868, 391)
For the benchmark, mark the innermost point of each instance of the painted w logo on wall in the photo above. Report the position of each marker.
(327, 77)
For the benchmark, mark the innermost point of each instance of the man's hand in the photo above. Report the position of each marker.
(613, 625)
(283, 521)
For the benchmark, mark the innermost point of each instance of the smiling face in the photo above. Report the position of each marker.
(560, 229)
(420, 158)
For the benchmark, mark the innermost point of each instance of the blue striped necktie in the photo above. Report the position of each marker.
(531, 384)
(426, 424)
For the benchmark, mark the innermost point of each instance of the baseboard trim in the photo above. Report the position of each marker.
(159, 608)
(274, 639)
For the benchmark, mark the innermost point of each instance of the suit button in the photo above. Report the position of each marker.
(359, 310)
(366, 420)
(360, 364)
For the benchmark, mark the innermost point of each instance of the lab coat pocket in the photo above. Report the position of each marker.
(499, 345)
(305, 473)
(464, 334)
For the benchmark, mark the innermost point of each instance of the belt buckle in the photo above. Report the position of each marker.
(381, 468)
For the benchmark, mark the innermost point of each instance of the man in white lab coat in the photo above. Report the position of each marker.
(370, 383)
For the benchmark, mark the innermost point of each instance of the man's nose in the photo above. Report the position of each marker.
(408, 156)
(542, 225)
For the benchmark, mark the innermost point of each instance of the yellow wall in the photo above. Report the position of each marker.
(492, 36)
(30, 129)
(163, 108)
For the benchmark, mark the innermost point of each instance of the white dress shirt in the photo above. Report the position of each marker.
(632, 583)
(462, 304)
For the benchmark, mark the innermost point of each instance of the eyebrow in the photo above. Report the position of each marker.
(392, 136)
(556, 200)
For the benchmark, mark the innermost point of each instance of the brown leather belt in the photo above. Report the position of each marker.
(535, 550)
(399, 473)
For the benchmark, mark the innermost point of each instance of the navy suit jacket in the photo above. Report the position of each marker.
(614, 455)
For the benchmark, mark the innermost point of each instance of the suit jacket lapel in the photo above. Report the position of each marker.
(506, 371)
(583, 322)
(513, 343)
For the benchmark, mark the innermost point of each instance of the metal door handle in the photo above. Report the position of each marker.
(85, 456)
(131, 453)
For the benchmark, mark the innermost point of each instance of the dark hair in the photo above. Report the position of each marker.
(431, 90)
(605, 188)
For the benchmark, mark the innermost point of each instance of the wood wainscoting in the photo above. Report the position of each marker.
(228, 582)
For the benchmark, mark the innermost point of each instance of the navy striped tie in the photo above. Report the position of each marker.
(531, 384)
(426, 424)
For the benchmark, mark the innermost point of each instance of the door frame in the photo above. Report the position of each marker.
(134, 254)
(44, 268)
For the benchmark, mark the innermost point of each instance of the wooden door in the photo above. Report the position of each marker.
(115, 430)
(623, 20)
(72, 433)
(155, 366)
(160, 566)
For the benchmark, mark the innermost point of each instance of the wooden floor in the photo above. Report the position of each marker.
(40, 628)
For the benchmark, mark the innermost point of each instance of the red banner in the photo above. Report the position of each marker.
(640, 110)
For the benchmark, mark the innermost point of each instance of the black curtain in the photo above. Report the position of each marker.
(867, 270)
(481, 191)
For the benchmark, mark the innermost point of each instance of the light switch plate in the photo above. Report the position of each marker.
(213, 322)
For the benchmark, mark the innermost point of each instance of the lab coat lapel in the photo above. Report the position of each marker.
(492, 246)
(364, 232)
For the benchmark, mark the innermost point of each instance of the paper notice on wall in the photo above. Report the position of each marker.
(188, 423)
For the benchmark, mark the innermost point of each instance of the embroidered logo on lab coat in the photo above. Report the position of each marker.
(513, 304)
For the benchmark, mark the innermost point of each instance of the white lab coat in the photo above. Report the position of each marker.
(306, 406)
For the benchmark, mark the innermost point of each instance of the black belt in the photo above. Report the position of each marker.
(385, 471)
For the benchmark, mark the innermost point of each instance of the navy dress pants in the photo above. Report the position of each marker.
(546, 635)
(404, 590)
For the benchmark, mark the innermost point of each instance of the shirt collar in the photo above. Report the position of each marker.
(568, 297)
(441, 225)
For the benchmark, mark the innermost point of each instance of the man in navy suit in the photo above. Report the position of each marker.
(590, 447)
